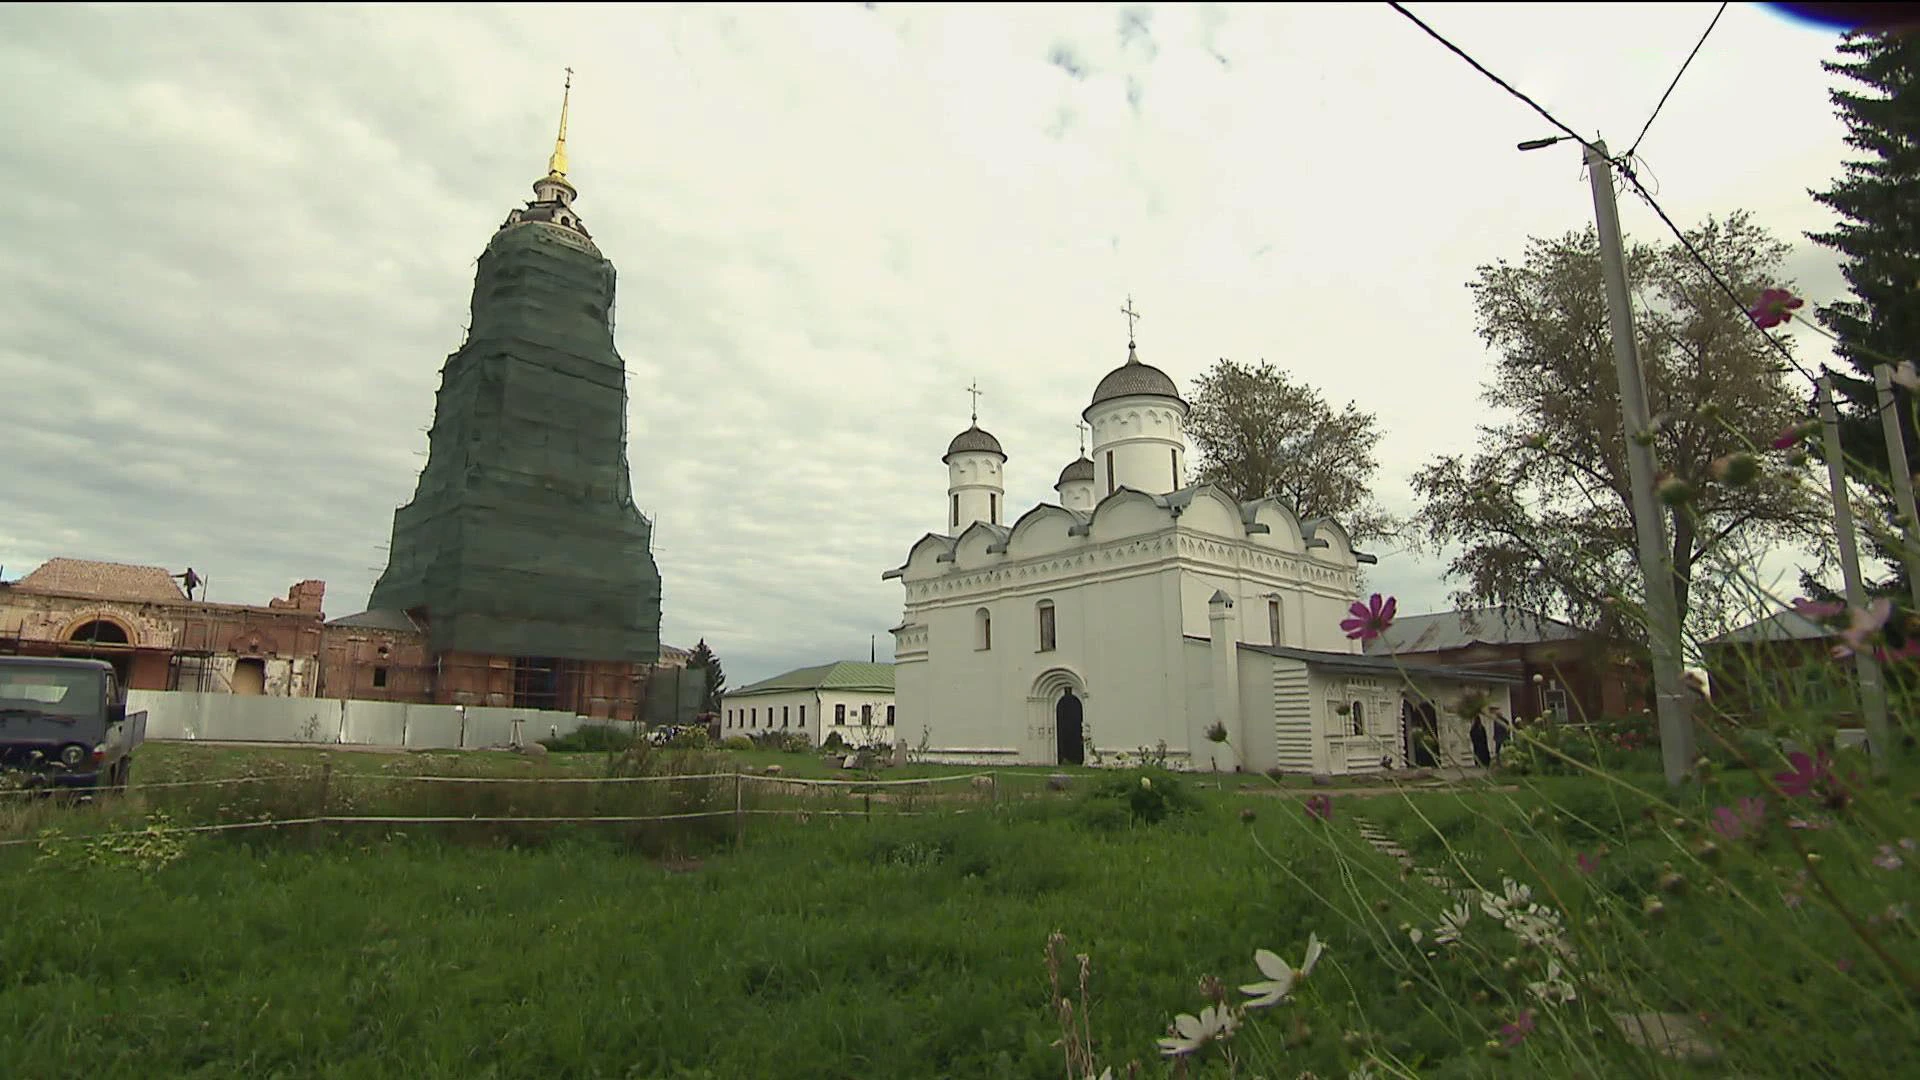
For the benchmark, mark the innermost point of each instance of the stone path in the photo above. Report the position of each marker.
(1674, 1035)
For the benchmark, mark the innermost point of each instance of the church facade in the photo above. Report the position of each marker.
(1141, 611)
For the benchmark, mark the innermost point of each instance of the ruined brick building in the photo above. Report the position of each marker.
(520, 574)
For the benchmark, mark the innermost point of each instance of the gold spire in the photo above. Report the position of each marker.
(557, 164)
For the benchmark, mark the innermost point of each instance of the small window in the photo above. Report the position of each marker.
(889, 716)
(840, 715)
(1109, 472)
(803, 716)
(1359, 719)
(1273, 622)
(1174, 456)
(993, 507)
(379, 677)
(866, 716)
(983, 629)
(956, 510)
(756, 717)
(1046, 626)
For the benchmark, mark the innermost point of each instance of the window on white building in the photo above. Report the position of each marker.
(889, 716)
(993, 508)
(756, 717)
(983, 629)
(956, 510)
(1109, 472)
(1046, 626)
(840, 715)
(1174, 457)
(785, 712)
(803, 716)
(1273, 622)
(1359, 717)
(866, 716)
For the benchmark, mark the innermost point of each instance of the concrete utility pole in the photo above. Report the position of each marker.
(1902, 475)
(1649, 525)
(1873, 694)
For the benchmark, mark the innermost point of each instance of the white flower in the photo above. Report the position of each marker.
(1105, 1074)
(1280, 977)
(1416, 935)
(1556, 988)
(1192, 1032)
(1453, 923)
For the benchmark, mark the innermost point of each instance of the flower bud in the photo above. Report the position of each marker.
(1652, 908)
(1737, 469)
(1675, 492)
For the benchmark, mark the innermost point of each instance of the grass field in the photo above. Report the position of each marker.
(909, 944)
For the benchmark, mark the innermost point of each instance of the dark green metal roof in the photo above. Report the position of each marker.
(841, 675)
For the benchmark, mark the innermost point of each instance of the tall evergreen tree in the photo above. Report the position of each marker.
(1878, 200)
(703, 659)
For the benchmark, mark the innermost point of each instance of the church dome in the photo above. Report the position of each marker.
(1135, 379)
(975, 440)
(1081, 471)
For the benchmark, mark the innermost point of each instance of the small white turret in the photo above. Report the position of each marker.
(976, 480)
(1139, 430)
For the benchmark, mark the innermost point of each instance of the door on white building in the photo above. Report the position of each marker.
(1420, 728)
(1070, 750)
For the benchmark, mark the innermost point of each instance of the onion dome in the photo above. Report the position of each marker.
(974, 440)
(1135, 379)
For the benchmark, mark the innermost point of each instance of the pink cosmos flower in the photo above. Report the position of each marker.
(1807, 774)
(1818, 610)
(1861, 625)
(1522, 1026)
(1741, 819)
(1371, 619)
(1585, 862)
(1908, 650)
(1320, 807)
(1774, 307)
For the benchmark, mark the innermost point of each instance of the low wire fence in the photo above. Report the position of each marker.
(664, 812)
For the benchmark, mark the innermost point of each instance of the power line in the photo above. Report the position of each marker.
(1497, 80)
(1626, 170)
(1676, 79)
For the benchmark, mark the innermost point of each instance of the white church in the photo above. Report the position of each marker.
(1139, 611)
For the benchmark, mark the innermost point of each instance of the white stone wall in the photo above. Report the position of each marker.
(757, 714)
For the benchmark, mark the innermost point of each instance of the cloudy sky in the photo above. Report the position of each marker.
(239, 244)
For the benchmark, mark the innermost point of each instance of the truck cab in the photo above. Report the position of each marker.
(64, 724)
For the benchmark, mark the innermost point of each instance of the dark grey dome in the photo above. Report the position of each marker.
(1078, 470)
(975, 440)
(1133, 379)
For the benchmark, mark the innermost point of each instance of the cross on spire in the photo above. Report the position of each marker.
(976, 392)
(1083, 427)
(1132, 316)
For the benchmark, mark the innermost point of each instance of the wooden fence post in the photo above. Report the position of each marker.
(739, 814)
(326, 782)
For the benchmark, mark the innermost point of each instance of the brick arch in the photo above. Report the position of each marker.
(113, 619)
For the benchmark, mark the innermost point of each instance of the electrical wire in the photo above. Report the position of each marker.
(1676, 79)
(1497, 80)
(1625, 169)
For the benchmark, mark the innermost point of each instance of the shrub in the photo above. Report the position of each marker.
(835, 743)
(1137, 797)
(591, 739)
(736, 742)
(787, 742)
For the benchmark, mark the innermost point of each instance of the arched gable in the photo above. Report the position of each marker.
(1327, 541)
(929, 556)
(1125, 513)
(1044, 530)
(979, 544)
(1212, 511)
(1283, 530)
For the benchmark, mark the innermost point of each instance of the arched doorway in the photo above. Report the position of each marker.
(1420, 730)
(1070, 748)
(100, 632)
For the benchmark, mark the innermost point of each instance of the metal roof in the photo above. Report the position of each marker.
(975, 440)
(1075, 470)
(1459, 629)
(1780, 626)
(1374, 665)
(380, 619)
(1134, 379)
(840, 675)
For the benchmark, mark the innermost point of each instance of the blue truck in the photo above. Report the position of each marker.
(64, 725)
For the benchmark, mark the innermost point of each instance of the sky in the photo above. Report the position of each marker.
(240, 243)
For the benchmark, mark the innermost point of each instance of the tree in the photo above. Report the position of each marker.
(1541, 514)
(1878, 200)
(1261, 434)
(703, 659)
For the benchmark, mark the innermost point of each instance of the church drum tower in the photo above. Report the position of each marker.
(522, 551)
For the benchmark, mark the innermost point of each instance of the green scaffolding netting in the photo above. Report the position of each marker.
(522, 538)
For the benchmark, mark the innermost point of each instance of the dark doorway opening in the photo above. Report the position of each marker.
(1067, 729)
(536, 682)
(1421, 728)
